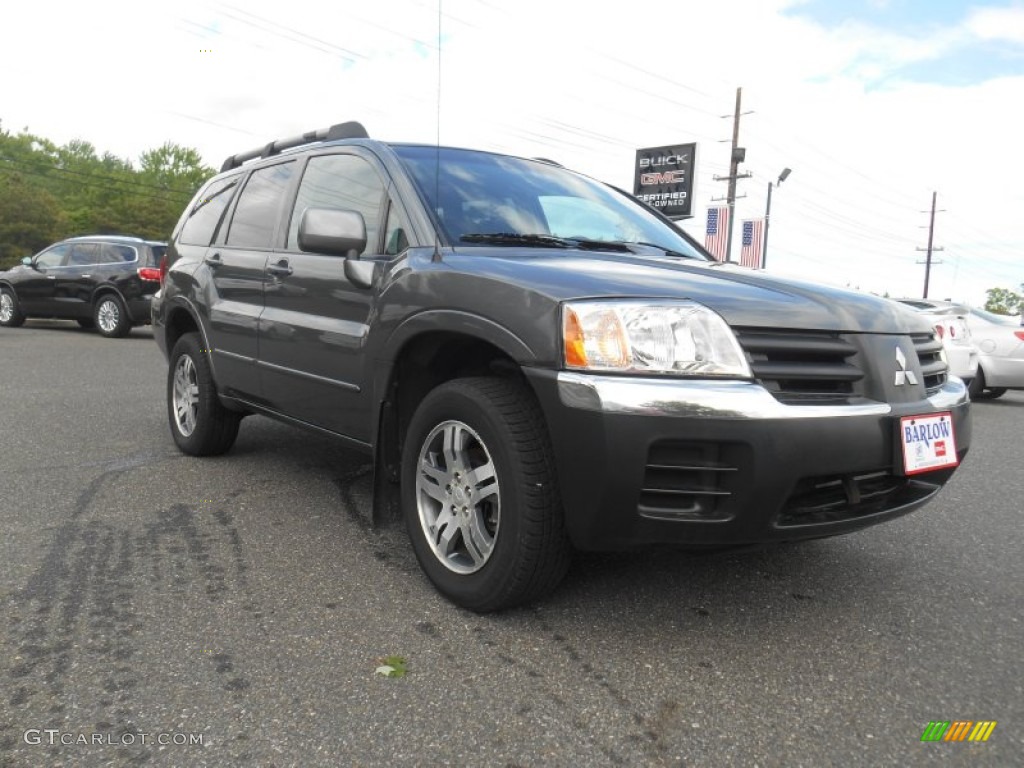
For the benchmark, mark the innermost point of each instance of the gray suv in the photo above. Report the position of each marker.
(537, 362)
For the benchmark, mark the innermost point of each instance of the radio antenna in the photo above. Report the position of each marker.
(437, 143)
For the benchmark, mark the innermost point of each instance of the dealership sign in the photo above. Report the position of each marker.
(664, 178)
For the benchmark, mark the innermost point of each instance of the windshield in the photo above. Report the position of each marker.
(483, 194)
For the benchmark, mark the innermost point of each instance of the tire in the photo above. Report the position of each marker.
(977, 385)
(978, 390)
(86, 322)
(506, 544)
(10, 314)
(110, 316)
(200, 425)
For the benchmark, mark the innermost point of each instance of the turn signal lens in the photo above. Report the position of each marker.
(575, 354)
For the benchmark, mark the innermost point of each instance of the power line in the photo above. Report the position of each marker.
(33, 172)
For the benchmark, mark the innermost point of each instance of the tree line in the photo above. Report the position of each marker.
(49, 192)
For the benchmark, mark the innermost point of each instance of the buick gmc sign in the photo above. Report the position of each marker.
(664, 178)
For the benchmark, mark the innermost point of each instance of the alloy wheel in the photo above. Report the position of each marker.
(185, 396)
(108, 316)
(457, 497)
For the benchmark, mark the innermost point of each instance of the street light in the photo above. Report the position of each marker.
(768, 212)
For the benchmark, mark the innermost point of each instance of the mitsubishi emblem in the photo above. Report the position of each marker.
(903, 376)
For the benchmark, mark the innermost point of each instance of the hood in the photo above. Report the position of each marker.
(744, 297)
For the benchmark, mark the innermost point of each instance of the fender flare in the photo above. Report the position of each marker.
(446, 321)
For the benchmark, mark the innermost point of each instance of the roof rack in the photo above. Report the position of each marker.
(349, 130)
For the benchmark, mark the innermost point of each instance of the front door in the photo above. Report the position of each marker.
(315, 322)
(36, 286)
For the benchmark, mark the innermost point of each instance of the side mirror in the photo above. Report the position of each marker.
(333, 231)
(27, 261)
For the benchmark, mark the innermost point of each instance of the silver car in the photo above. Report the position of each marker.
(950, 323)
(1000, 342)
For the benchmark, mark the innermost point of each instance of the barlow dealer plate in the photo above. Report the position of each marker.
(928, 442)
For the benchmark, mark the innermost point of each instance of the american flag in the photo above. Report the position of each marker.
(717, 236)
(750, 253)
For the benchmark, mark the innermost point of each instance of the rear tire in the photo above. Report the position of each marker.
(111, 317)
(200, 425)
(480, 496)
(10, 315)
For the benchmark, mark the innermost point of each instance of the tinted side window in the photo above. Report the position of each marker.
(395, 238)
(206, 214)
(117, 254)
(258, 207)
(54, 257)
(340, 181)
(83, 254)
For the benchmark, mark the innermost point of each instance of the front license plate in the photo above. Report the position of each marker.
(928, 443)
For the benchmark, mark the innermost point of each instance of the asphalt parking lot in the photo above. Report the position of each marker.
(151, 600)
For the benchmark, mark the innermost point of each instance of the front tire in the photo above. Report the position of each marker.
(480, 496)
(200, 425)
(10, 315)
(111, 317)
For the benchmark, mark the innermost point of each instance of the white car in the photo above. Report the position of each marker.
(950, 323)
(1000, 342)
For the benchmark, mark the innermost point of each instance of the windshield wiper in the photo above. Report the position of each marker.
(544, 241)
(512, 238)
(663, 249)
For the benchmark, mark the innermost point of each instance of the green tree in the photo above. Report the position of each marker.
(30, 218)
(179, 170)
(101, 194)
(1003, 301)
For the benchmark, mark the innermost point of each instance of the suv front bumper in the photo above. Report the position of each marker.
(646, 461)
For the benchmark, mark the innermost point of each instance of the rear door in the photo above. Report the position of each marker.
(236, 266)
(77, 280)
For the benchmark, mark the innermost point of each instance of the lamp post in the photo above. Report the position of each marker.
(767, 215)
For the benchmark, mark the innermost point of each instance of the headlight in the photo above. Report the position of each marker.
(683, 338)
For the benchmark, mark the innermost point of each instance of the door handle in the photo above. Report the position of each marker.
(281, 269)
(213, 260)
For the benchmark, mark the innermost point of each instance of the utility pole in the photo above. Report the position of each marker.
(737, 156)
(930, 249)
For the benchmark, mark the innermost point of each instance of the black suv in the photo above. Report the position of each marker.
(105, 281)
(538, 362)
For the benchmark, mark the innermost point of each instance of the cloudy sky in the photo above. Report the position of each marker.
(874, 104)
